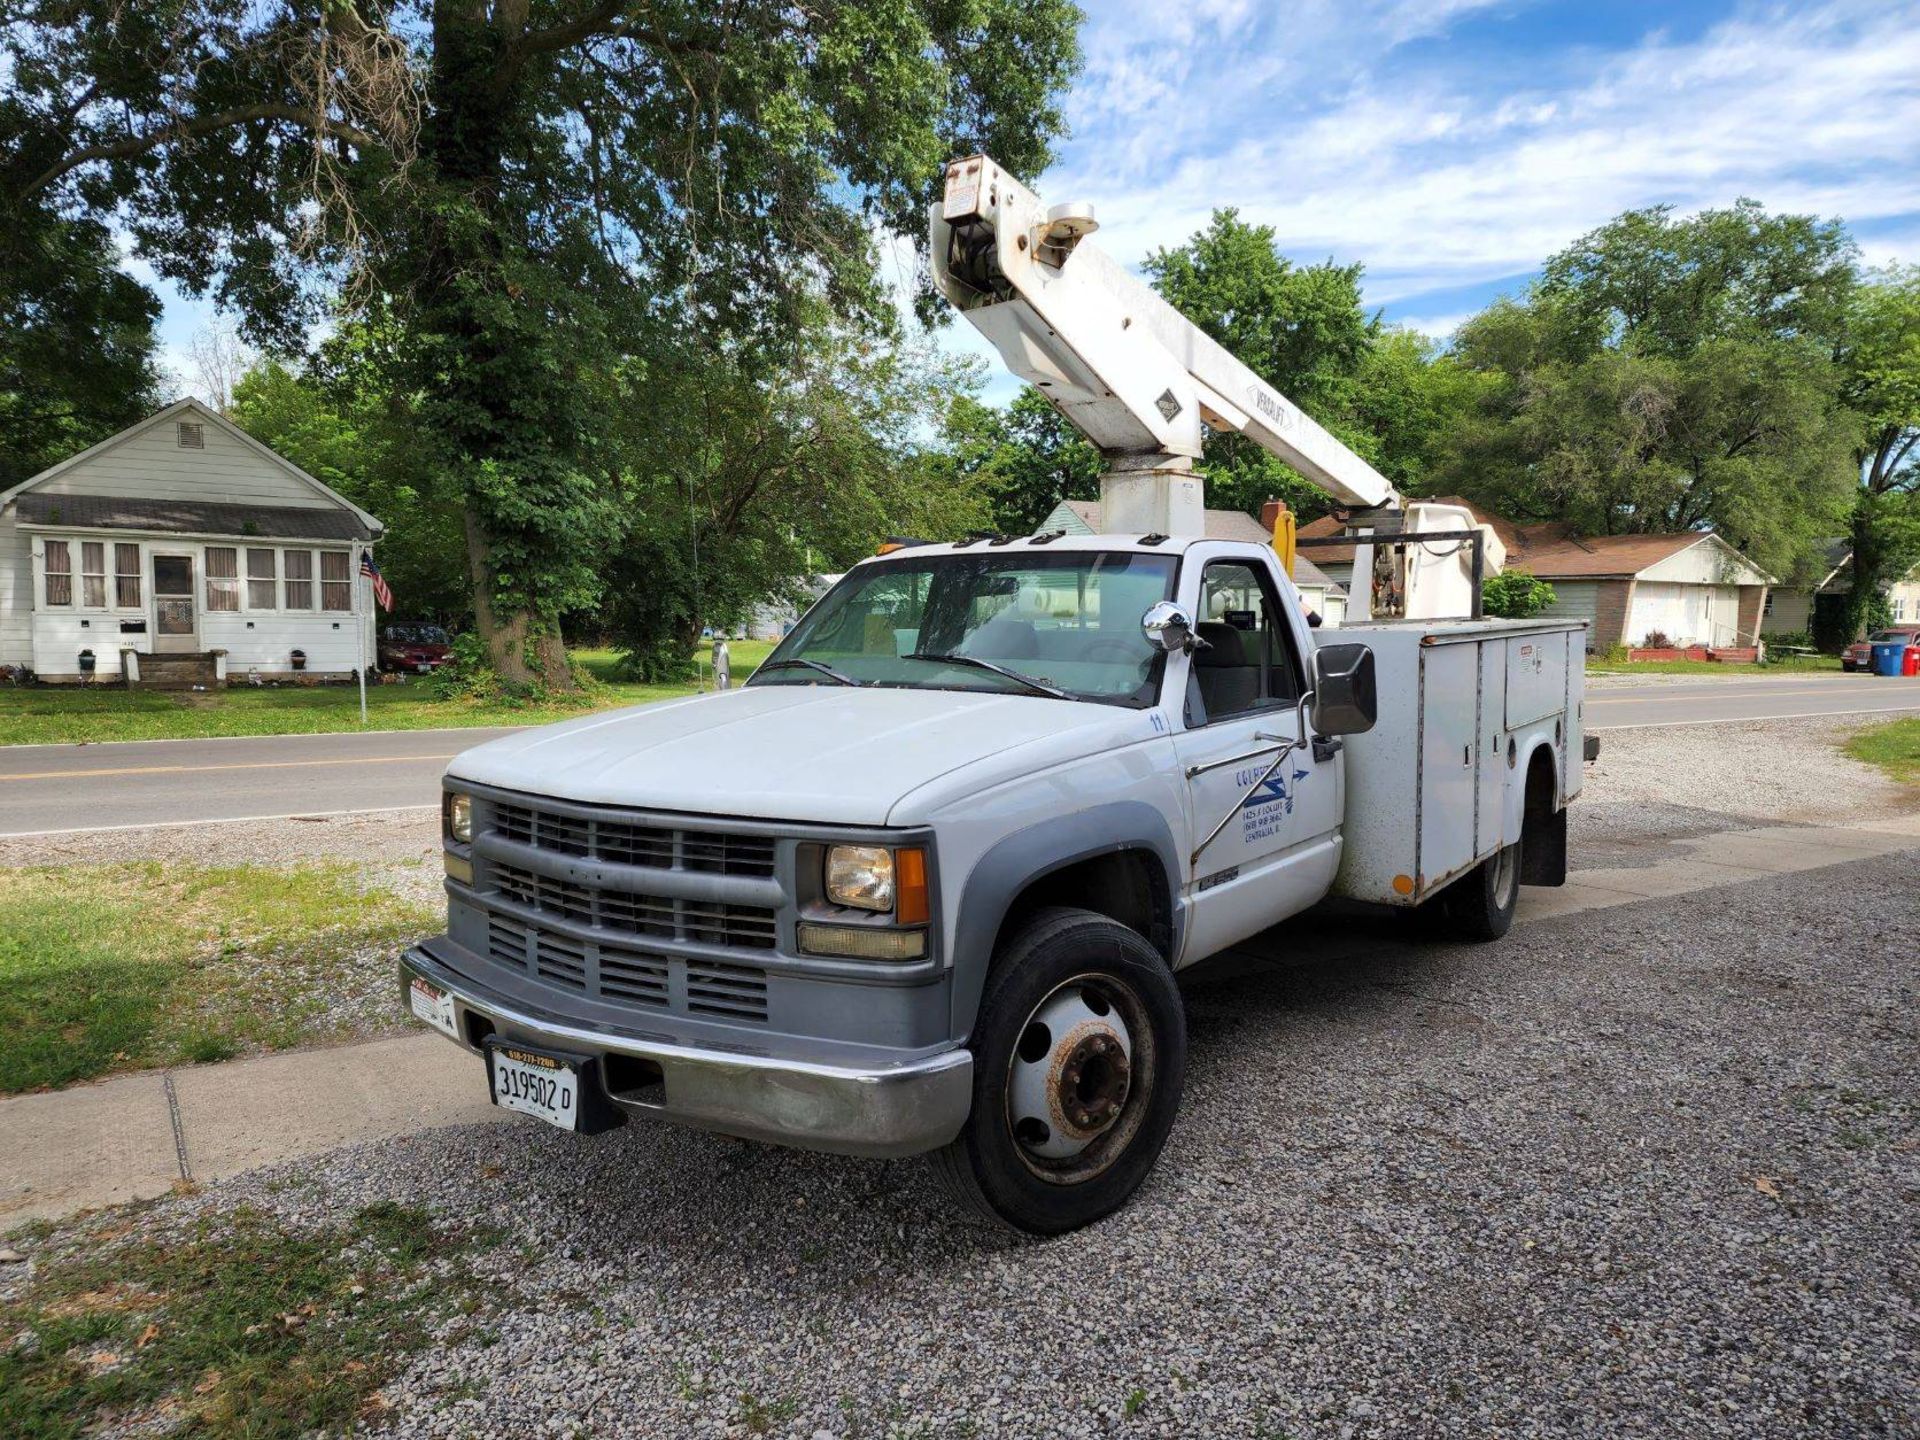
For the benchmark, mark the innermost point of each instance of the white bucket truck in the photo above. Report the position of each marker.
(922, 884)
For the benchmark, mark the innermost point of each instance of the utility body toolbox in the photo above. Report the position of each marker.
(1465, 707)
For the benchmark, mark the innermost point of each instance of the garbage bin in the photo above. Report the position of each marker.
(1889, 656)
(1911, 664)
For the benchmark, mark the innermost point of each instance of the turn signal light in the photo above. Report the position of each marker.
(862, 942)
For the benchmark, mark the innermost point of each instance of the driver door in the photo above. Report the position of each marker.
(1264, 812)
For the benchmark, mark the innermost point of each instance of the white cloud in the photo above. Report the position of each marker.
(1439, 177)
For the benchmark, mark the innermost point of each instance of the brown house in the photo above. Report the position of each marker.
(1691, 586)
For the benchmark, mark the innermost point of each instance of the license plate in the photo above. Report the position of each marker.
(433, 1005)
(543, 1086)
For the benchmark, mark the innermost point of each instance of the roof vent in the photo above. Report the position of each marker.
(192, 435)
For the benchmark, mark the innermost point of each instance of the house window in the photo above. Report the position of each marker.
(299, 579)
(59, 573)
(126, 576)
(336, 581)
(192, 435)
(93, 574)
(260, 586)
(223, 578)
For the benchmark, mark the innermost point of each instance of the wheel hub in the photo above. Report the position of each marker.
(1071, 1075)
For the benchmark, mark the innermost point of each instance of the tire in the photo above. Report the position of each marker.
(1121, 1042)
(1479, 906)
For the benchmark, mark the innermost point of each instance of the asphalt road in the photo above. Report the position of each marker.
(1759, 697)
(54, 788)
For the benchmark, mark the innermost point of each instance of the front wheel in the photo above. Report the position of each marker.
(1479, 905)
(1079, 1055)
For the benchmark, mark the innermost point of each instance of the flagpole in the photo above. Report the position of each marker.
(360, 629)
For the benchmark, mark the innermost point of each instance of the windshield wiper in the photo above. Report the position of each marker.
(797, 663)
(1039, 687)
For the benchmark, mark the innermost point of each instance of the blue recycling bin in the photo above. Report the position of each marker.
(1887, 655)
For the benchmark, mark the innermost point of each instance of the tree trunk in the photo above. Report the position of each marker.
(463, 277)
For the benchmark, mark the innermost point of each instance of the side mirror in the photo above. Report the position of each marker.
(1168, 628)
(1344, 700)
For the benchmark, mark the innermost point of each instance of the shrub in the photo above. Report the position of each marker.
(1516, 595)
(1655, 640)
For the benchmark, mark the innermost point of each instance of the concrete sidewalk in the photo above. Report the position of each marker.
(142, 1135)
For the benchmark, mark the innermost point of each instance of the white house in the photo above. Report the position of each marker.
(1317, 592)
(182, 536)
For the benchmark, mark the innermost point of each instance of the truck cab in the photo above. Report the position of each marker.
(923, 883)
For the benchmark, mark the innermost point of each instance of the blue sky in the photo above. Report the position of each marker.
(1450, 145)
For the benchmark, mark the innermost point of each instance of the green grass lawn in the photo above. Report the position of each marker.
(65, 715)
(1894, 747)
(1808, 664)
(241, 1326)
(120, 967)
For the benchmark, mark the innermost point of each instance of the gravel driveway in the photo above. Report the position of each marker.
(1651, 1175)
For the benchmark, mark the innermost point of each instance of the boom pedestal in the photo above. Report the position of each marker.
(1152, 495)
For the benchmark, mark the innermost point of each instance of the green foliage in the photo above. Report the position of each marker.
(77, 341)
(335, 419)
(1880, 363)
(1025, 459)
(748, 476)
(1668, 374)
(521, 197)
(1516, 594)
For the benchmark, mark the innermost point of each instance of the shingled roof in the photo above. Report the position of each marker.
(191, 517)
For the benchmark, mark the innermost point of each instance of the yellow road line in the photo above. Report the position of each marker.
(237, 765)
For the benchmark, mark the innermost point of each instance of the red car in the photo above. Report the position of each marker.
(1859, 655)
(419, 648)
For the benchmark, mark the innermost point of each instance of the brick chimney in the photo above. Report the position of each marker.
(1270, 514)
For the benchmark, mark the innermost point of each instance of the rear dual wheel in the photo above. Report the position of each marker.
(1479, 905)
(1079, 1055)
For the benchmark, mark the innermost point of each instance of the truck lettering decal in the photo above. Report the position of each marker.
(1262, 812)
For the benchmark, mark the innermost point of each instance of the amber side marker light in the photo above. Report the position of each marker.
(910, 905)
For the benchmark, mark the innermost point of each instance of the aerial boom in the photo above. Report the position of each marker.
(1128, 370)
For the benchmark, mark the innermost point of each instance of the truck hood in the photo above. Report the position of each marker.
(797, 752)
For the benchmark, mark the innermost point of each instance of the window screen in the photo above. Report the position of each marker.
(336, 581)
(126, 576)
(59, 573)
(223, 578)
(260, 580)
(299, 579)
(93, 574)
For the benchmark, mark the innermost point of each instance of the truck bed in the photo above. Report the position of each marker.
(1438, 785)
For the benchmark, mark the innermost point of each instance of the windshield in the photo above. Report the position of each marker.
(1068, 621)
(1886, 636)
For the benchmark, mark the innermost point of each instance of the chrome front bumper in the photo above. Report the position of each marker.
(891, 1109)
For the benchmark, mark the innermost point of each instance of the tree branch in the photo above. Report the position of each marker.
(190, 128)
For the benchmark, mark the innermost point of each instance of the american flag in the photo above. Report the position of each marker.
(372, 572)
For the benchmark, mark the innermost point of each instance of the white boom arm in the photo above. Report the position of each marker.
(1132, 373)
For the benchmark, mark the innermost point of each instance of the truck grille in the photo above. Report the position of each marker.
(628, 977)
(626, 842)
(706, 922)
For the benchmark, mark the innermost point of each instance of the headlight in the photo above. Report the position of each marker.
(460, 818)
(861, 876)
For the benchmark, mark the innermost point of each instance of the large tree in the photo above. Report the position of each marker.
(746, 478)
(1880, 360)
(1669, 374)
(527, 190)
